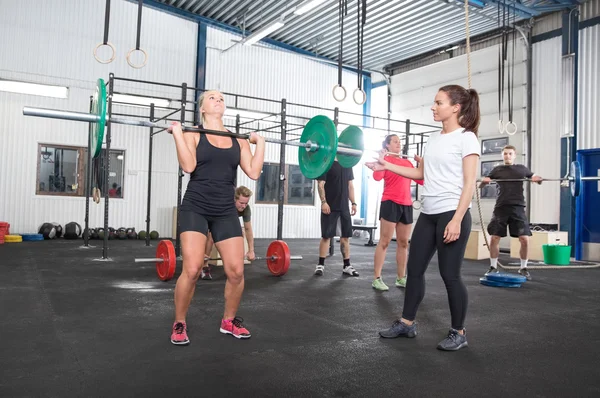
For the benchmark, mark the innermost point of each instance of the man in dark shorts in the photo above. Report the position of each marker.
(336, 189)
(509, 210)
(242, 197)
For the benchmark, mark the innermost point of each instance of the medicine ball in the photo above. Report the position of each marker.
(142, 234)
(154, 235)
(59, 229)
(72, 230)
(100, 233)
(48, 230)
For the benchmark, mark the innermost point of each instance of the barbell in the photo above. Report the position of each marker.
(317, 149)
(278, 259)
(573, 181)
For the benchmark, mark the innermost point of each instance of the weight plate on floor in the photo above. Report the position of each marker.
(504, 277)
(280, 264)
(166, 268)
(487, 282)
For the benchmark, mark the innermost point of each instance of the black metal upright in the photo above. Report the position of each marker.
(336, 119)
(107, 164)
(180, 172)
(407, 139)
(88, 182)
(149, 176)
(282, 175)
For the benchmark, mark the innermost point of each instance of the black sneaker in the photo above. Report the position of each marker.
(398, 329)
(525, 273)
(455, 341)
(491, 270)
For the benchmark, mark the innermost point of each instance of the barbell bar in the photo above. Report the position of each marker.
(278, 259)
(317, 148)
(574, 179)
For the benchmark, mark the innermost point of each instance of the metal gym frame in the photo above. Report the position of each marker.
(287, 124)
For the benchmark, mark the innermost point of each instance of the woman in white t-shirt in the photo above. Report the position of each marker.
(448, 168)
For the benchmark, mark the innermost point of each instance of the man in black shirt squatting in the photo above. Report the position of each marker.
(510, 208)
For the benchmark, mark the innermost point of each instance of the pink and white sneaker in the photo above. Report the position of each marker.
(235, 328)
(179, 335)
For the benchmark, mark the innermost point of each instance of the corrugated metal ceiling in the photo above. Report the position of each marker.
(395, 30)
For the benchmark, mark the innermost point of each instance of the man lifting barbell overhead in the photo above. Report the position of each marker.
(509, 210)
(212, 161)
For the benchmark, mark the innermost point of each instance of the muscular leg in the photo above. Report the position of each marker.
(192, 246)
(232, 253)
(402, 236)
(524, 252)
(345, 248)
(494, 246)
(324, 247)
(387, 231)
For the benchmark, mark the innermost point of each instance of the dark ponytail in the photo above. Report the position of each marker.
(387, 140)
(469, 116)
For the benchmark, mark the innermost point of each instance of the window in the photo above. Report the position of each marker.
(298, 190)
(62, 170)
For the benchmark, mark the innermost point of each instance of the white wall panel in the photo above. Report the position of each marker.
(588, 128)
(52, 42)
(545, 160)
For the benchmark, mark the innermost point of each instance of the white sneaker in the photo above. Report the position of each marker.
(350, 271)
(319, 270)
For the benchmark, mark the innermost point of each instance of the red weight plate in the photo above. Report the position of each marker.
(166, 268)
(280, 263)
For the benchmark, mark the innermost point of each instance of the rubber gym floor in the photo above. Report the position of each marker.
(77, 327)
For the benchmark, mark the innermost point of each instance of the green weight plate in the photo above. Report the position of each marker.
(575, 175)
(351, 137)
(319, 130)
(98, 109)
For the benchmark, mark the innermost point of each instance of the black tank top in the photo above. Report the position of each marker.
(211, 188)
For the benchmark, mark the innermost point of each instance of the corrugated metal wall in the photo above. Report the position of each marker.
(545, 134)
(588, 120)
(413, 93)
(271, 73)
(52, 42)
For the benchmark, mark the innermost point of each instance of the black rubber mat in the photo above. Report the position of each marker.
(74, 326)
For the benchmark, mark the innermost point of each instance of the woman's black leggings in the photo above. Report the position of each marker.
(427, 237)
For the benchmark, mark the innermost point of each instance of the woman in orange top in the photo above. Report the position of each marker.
(396, 213)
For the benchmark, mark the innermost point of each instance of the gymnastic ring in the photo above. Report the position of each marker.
(114, 53)
(339, 92)
(500, 127)
(512, 130)
(416, 204)
(133, 65)
(363, 94)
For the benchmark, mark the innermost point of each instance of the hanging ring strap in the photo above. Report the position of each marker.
(105, 42)
(339, 92)
(511, 126)
(359, 95)
(501, 58)
(137, 41)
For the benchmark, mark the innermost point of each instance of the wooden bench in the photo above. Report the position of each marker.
(368, 228)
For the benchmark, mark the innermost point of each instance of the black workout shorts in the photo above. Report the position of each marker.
(221, 228)
(393, 212)
(512, 216)
(329, 224)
